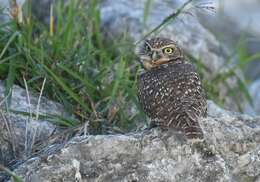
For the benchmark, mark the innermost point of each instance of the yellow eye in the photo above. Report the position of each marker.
(168, 50)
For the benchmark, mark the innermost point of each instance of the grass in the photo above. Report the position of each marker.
(83, 71)
(93, 77)
(14, 177)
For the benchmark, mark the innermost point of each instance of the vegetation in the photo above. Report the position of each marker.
(70, 61)
(13, 176)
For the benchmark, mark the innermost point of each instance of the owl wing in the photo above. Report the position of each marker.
(187, 100)
(194, 107)
(143, 93)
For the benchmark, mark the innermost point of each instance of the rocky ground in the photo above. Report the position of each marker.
(230, 151)
(19, 133)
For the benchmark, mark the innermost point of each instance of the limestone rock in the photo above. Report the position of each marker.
(4, 7)
(230, 153)
(19, 133)
(234, 21)
(119, 16)
(19, 102)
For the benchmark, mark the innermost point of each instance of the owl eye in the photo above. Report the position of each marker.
(168, 50)
(147, 48)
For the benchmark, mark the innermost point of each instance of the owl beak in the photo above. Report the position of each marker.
(155, 56)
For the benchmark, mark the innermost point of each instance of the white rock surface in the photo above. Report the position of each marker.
(4, 4)
(19, 102)
(119, 16)
(244, 14)
(230, 153)
(236, 21)
(19, 133)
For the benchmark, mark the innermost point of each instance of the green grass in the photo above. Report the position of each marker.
(84, 72)
(94, 78)
(14, 177)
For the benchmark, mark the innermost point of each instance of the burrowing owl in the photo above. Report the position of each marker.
(170, 90)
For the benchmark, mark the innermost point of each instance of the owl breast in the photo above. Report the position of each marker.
(172, 95)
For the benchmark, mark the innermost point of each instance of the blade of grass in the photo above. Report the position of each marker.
(55, 119)
(165, 21)
(147, 8)
(68, 33)
(91, 88)
(251, 58)
(10, 57)
(8, 43)
(67, 89)
(10, 80)
(39, 99)
(119, 75)
(243, 88)
(6, 24)
(15, 178)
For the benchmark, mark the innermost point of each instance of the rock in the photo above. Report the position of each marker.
(41, 9)
(19, 102)
(233, 18)
(230, 153)
(19, 133)
(253, 89)
(4, 5)
(232, 23)
(119, 16)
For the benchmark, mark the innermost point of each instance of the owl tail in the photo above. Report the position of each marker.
(193, 132)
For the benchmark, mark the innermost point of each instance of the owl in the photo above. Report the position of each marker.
(170, 89)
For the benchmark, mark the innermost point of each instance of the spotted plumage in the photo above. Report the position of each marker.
(170, 90)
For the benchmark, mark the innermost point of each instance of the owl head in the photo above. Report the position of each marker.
(158, 51)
